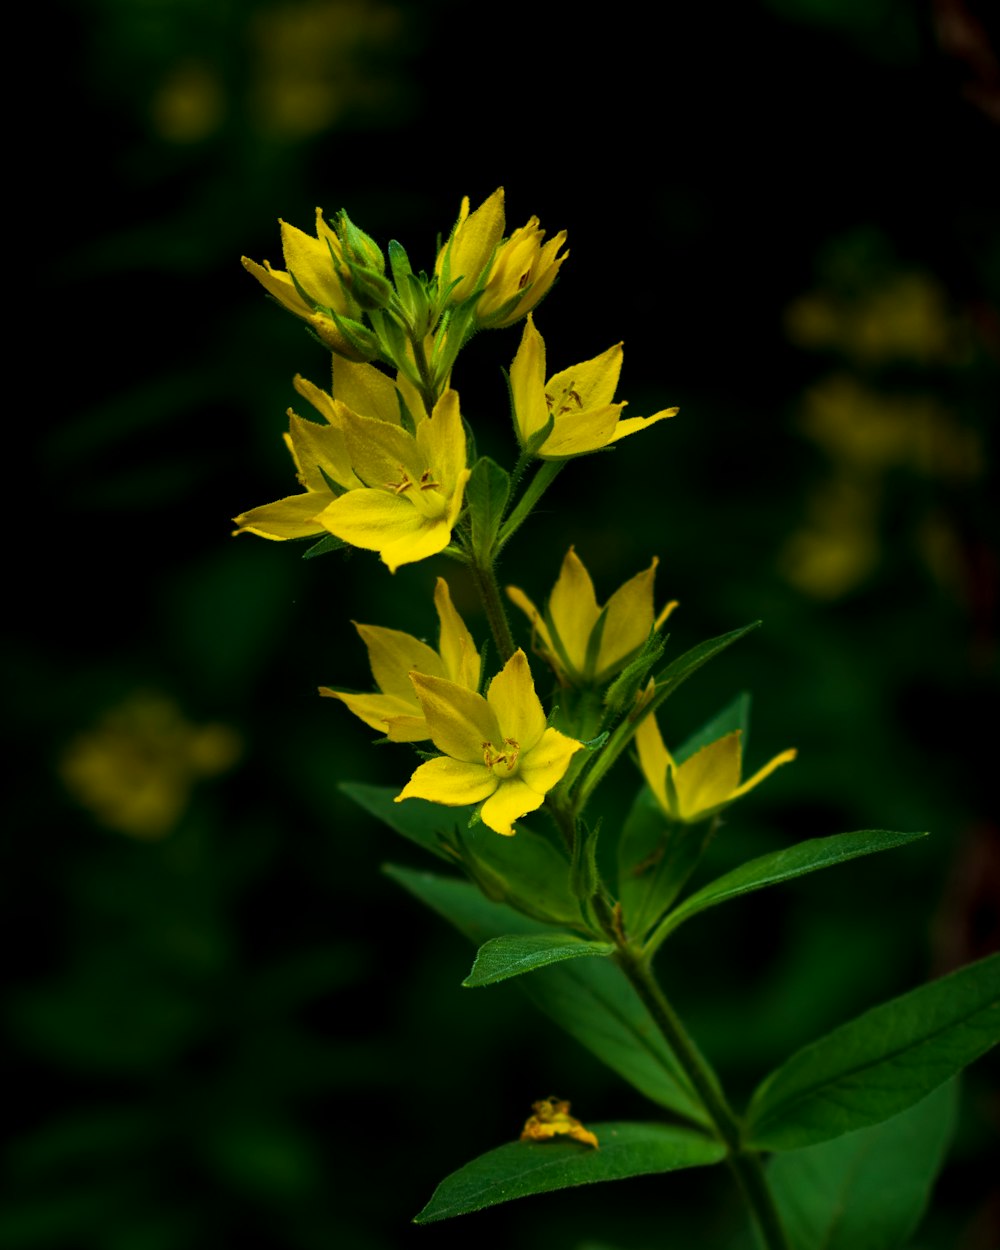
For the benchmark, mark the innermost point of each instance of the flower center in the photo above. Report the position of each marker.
(425, 494)
(564, 400)
(502, 761)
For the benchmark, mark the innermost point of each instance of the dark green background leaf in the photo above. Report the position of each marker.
(522, 1168)
(880, 1063)
(866, 1190)
(512, 955)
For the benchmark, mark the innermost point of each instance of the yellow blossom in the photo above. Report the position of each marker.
(473, 240)
(310, 286)
(522, 272)
(552, 1119)
(394, 655)
(321, 456)
(705, 782)
(578, 401)
(582, 641)
(412, 485)
(496, 749)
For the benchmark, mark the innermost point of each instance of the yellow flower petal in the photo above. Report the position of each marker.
(393, 656)
(593, 382)
(784, 758)
(552, 1119)
(527, 382)
(577, 434)
(310, 260)
(319, 450)
(632, 425)
(419, 544)
(709, 778)
(627, 620)
(450, 782)
(381, 453)
(461, 722)
(654, 759)
(510, 801)
(457, 648)
(518, 709)
(398, 719)
(277, 283)
(544, 766)
(573, 610)
(365, 389)
(440, 442)
(471, 245)
(297, 516)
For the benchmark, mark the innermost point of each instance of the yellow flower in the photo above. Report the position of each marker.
(522, 272)
(552, 1119)
(472, 242)
(578, 401)
(582, 641)
(311, 271)
(413, 485)
(706, 782)
(394, 655)
(496, 749)
(320, 453)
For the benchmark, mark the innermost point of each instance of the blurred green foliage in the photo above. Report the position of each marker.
(234, 1029)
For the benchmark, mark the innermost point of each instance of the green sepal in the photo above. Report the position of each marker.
(486, 494)
(335, 488)
(521, 1168)
(513, 954)
(391, 337)
(589, 998)
(584, 876)
(399, 262)
(370, 289)
(785, 865)
(406, 418)
(330, 543)
(880, 1063)
(621, 694)
(357, 335)
(866, 1190)
(537, 440)
(594, 645)
(359, 247)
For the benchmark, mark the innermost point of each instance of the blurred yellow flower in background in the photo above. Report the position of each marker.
(136, 768)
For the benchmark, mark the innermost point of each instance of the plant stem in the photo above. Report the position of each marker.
(745, 1165)
(496, 614)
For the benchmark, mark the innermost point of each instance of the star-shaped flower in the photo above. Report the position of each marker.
(496, 751)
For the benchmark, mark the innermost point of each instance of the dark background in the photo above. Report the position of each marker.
(224, 1025)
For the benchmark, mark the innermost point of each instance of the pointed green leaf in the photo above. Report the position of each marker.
(329, 543)
(527, 871)
(735, 715)
(428, 824)
(521, 1168)
(880, 1063)
(514, 954)
(679, 670)
(589, 998)
(866, 1190)
(785, 865)
(486, 494)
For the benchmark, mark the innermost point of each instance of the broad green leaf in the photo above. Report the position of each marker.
(866, 1190)
(881, 1063)
(526, 870)
(486, 494)
(679, 670)
(522, 1168)
(795, 861)
(655, 858)
(514, 954)
(735, 715)
(589, 998)
(428, 824)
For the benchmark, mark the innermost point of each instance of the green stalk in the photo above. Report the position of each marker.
(496, 613)
(745, 1165)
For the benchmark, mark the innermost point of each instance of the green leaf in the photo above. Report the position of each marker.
(866, 1190)
(679, 670)
(655, 858)
(428, 824)
(881, 1063)
(735, 715)
(486, 494)
(785, 865)
(589, 998)
(330, 543)
(526, 871)
(513, 954)
(521, 1168)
